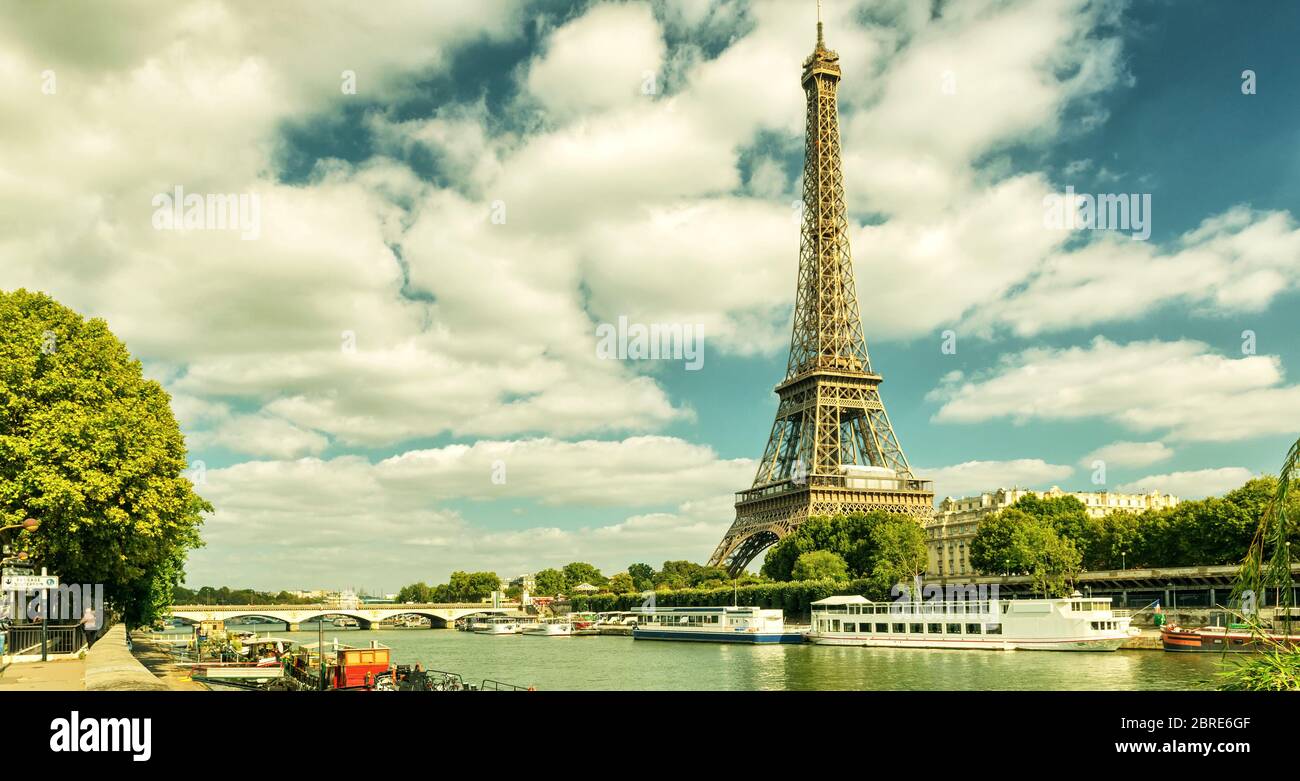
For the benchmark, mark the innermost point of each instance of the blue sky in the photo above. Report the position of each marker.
(391, 382)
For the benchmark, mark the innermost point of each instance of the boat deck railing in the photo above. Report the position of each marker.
(982, 607)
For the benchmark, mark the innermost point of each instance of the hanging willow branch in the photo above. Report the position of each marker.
(1268, 561)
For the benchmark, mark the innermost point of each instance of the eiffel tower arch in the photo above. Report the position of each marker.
(832, 448)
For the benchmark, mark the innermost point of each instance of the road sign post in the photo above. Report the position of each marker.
(43, 583)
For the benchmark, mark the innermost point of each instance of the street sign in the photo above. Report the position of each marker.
(29, 582)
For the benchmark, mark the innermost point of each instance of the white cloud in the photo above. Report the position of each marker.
(260, 435)
(1235, 262)
(1182, 388)
(973, 477)
(606, 58)
(1194, 484)
(294, 521)
(1129, 454)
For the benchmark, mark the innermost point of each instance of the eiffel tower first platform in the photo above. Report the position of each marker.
(832, 449)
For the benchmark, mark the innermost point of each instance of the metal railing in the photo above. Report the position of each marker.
(490, 685)
(26, 639)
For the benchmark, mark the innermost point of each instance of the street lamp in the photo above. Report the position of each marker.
(31, 524)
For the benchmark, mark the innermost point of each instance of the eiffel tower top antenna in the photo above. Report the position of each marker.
(820, 44)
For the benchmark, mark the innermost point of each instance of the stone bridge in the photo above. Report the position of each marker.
(367, 616)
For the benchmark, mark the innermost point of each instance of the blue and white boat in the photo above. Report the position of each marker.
(715, 625)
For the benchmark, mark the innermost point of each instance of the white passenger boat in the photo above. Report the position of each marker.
(551, 628)
(714, 625)
(1075, 624)
(497, 625)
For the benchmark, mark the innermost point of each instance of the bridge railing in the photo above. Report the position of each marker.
(327, 607)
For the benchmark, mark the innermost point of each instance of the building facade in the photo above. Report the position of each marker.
(948, 536)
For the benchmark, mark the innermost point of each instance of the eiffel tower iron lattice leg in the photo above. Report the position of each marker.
(832, 449)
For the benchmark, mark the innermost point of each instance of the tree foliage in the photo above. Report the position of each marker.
(847, 535)
(1049, 559)
(91, 449)
(900, 555)
(621, 584)
(821, 565)
(550, 582)
(643, 576)
(208, 595)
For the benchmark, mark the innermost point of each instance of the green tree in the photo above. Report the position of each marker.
(1115, 542)
(992, 550)
(416, 592)
(643, 576)
(900, 552)
(621, 584)
(471, 586)
(847, 535)
(820, 565)
(1049, 559)
(550, 582)
(91, 449)
(579, 572)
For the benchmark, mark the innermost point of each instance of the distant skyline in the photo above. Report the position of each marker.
(399, 374)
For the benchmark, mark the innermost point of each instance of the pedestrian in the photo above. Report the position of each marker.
(89, 626)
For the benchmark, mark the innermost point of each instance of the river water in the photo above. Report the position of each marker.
(621, 663)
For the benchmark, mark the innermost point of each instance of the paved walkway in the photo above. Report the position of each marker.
(64, 675)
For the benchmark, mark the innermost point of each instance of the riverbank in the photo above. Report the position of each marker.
(1149, 640)
(154, 657)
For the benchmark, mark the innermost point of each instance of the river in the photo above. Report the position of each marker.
(621, 663)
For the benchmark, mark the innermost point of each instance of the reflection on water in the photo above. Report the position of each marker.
(622, 663)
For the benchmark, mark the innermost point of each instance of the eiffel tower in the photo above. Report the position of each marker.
(832, 449)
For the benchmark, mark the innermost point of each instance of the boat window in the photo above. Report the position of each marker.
(972, 629)
(882, 627)
(954, 629)
(992, 629)
(900, 628)
(916, 629)
(934, 629)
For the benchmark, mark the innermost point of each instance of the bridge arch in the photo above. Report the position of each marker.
(367, 617)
